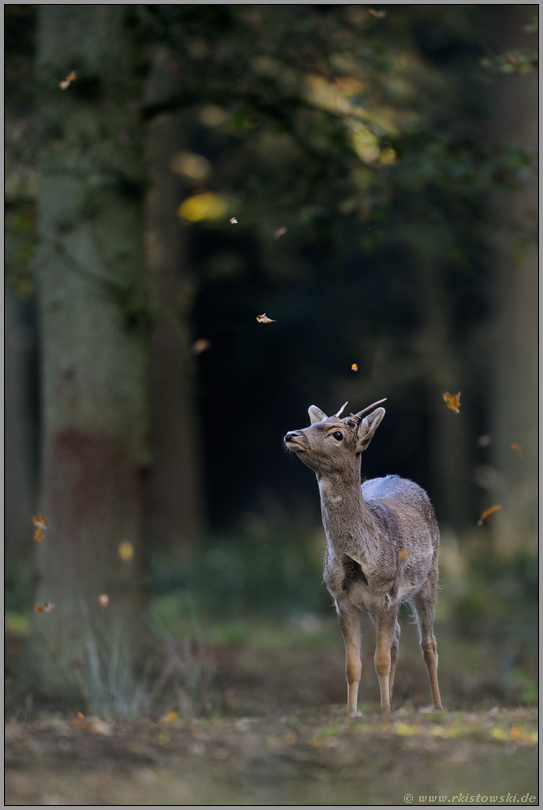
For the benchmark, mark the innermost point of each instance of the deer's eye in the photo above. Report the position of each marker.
(338, 435)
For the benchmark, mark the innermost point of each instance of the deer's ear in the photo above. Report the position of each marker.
(367, 428)
(315, 414)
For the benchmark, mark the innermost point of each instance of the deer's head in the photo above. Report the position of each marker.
(331, 444)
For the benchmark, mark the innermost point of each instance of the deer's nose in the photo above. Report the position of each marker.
(292, 434)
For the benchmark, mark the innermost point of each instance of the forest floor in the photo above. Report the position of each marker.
(278, 735)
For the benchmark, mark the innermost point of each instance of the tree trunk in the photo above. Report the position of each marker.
(515, 398)
(19, 487)
(176, 508)
(92, 305)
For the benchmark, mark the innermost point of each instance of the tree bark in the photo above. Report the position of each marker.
(92, 306)
(176, 500)
(515, 401)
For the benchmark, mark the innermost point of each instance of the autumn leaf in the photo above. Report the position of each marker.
(378, 14)
(170, 717)
(71, 77)
(403, 554)
(233, 221)
(279, 232)
(354, 367)
(45, 607)
(126, 551)
(453, 401)
(264, 319)
(518, 449)
(103, 599)
(487, 513)
(200, 345)
(40, 522)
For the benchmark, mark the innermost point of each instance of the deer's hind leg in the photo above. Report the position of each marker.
(394, 650)
(349, 622)
(424, 603)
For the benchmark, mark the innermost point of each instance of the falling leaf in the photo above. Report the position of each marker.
(291, 737)
(378, 14)
(487, 513)
(453, 401)
(354, 367)
(484, 441)
(45, 607)
(264, 319)
(71, 77)
(403, 554)
(233, 221)
(126, 551)
(200, 345)
(518, 448)
(171, 717)
(40, 522)
(279, 232)
(203, 206)
(103, 599)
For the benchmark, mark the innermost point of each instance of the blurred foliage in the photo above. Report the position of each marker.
(516, 60)
(263, 573)
(354, 153)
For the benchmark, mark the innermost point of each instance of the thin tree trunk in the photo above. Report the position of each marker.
(19, 487)
(92, 305)
(515, 399)
(176, 508)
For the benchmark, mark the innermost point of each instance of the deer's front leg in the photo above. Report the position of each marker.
(384, 664)
(349, 622)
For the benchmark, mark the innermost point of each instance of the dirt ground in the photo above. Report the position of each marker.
(279, 736)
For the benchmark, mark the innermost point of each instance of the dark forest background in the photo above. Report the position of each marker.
(366, 178)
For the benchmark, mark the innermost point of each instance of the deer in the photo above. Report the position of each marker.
(382, 546)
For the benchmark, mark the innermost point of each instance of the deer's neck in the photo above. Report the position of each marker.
(347, 521)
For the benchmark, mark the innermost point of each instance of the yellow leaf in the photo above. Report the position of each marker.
(403, 554)
(203, 206)
(354, 367)
(487, 513)
(453, 401)
(171, 717)
(126, 551)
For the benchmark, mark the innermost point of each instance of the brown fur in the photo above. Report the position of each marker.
(382, 550)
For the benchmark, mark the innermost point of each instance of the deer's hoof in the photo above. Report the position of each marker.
(355, 714)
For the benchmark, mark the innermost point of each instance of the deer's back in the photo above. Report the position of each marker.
(405, 513)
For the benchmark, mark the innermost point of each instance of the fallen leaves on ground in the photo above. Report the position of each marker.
(94, 724)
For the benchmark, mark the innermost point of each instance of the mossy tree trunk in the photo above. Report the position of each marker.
(94, 365)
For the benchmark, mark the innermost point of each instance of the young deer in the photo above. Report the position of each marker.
(382, 550)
